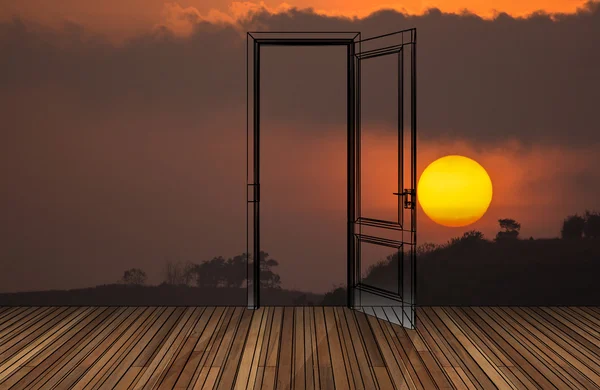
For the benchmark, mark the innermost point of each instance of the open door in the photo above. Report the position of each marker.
(382, 178)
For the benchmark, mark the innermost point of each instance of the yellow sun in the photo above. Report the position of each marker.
(454, 191)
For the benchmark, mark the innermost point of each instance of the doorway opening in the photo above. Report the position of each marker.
(303, 176)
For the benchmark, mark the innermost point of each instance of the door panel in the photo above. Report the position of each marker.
(385, 155)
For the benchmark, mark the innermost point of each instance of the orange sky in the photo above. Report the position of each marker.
(124, 18)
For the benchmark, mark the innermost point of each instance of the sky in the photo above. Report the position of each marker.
(123, 129)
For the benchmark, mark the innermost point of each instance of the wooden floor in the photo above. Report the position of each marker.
(297, 348)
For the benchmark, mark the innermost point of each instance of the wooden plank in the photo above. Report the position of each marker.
(211, 378)
(15, 377)
(398, 353)
(584, 315)
(300, 367)
(228, 337)
(283, 379)
(85, 371)
(274, 338)
(71, 334)
(185, 353)
(172, 347)
(455, 379)
(33, 348)
(530, 335)
(121, 363)
(359, 350)
(558, 349)
(44, 364)
(512, 377)
(523, 378)
(397, 373)
(313, 347)
(4, 310)
(438, 373)
(258, 364)
(409, 354)
(168, 349)
(484, 363)
(465, 378)
(589, 333)
(323, 355)
(479, 337)
(220, 343)
(208, 344)
(165, 328)
(233, 361)
(350, 363)
(246, 374)
(21, 321)
(211, 328)
(578, 321)
(465, 361)
(129, 377)
(544, 377)
(512, 348)
(350, 357)
(9, 347)
(526, 335)
(565, 321)
(375, 358)
(119, 350)
(14, 316)
(268, 381)
(440, 349)
(590, 310)
(78, 354)
(340, 376)
(383, 378)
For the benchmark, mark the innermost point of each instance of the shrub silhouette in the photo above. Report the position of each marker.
(572, 227)
(134, 276)
(591, 228)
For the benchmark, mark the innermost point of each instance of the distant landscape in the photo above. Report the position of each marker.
(471, 270)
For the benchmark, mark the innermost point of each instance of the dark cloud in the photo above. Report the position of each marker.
(533, 79)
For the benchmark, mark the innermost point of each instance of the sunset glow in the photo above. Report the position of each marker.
(454, 191)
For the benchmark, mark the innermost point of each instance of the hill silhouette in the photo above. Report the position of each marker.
(473, 271)
(466, 271)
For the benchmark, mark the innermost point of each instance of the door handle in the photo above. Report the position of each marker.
(408, 202)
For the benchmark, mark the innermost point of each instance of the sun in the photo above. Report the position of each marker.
(454, 191)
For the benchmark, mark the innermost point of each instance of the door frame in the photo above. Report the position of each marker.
(353, 42)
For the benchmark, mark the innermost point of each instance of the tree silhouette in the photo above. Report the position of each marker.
(210, 273)
(134, 276)
(572, 227)
(232, 272)
(591, 228)
(511, 229)
(179, 273)
(268, 279)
